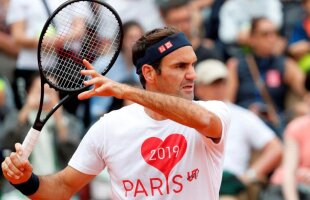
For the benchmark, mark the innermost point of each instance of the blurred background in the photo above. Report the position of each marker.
(252, 54)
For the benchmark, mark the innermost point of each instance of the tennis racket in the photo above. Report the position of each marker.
(60, 63)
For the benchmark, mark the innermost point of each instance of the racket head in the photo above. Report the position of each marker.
(102, 38)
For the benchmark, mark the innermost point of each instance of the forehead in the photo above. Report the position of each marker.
(184, 54)
(178, 12)
(265, 25)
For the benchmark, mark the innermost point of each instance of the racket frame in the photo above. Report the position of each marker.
(39, 123)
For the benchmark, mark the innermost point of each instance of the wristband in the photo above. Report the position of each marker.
(29, 187)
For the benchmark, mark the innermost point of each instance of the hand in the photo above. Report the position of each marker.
(303, 175)
(102, 86)
(15, 170)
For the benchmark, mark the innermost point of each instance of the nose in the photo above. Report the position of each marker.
(191, 73)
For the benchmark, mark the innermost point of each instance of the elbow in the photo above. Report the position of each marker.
(277, 149)
(211, 126)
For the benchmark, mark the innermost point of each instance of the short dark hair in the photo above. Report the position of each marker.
(129, 24)
(255, 22)
(166, 5)
(147, 40)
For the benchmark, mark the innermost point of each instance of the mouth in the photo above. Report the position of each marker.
(188, 88)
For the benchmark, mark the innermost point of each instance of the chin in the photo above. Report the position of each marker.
(188, 96)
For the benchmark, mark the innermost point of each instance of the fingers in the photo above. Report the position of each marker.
(87, 94)
(14, 169)
(12, 166)
(88, 65)
(19, 149)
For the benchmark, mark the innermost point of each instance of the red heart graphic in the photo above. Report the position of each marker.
(164, 155)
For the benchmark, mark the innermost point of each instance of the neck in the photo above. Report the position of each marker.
(261, 53)
(154, 115)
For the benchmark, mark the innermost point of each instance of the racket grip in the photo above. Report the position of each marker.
(29, 143)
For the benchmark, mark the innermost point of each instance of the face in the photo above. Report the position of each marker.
(306, 6)
(180, 18)
(214, 91)
(177, 73)
(264, 37)
(130, 37)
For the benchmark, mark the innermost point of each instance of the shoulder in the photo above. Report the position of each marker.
(219, 108)
(299, 123)
(298, 128)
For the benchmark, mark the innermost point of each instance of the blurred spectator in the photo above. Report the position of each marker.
(59, 137)
(184, 16)
(145, 12)
(236, 17)
(8, 48)
(292, 13)
(278, 73)
(291, 181)
(123, 69)
(26, 19)
(299, 41)
(62, 128)
(246, 133)
(211, 24)
(6, 106)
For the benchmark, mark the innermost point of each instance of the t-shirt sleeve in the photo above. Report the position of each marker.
(221, 110)
(261, 133)
(16, 11)
(88, 157)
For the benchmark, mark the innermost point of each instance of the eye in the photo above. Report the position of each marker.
(181, 65)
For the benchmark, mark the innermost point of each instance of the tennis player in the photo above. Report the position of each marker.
(164, 146)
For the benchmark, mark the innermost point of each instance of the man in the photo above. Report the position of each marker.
(246, 133)
(164, 146)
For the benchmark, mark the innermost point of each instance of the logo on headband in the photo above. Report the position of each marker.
(164, 47)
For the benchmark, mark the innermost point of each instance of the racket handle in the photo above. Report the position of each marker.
(29, 143)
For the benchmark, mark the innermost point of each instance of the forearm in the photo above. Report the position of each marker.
(269, 159)
(290, 166)
(52, 187)
(20, 38)
(289, 188)
(177, 109)
(299, 49)
(7, 45)
(30, 43)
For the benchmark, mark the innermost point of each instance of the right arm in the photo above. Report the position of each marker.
(232, 80)
(19, 36)
(268, 160)
(61, 185)
(290, 164)
(7, 45)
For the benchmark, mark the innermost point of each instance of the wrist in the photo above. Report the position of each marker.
(251, 175)
(30, 186)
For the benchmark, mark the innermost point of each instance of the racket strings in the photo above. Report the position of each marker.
(61, 65)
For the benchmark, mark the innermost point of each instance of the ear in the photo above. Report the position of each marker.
(149, 73)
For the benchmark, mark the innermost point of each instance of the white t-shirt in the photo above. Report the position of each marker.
(141, 154)
(246, 132)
